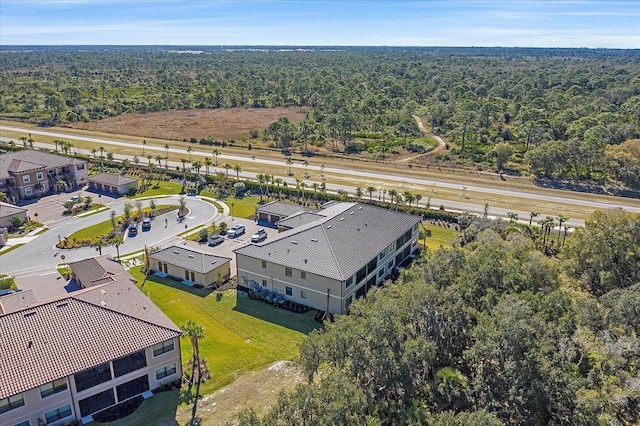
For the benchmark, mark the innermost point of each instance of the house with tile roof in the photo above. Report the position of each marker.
(29, 173)
(333, 259)
(112, 182)
(190, 266)
(7, 211)
(72, 356)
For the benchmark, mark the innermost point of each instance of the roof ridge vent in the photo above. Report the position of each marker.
(294, 242)
(351, 213)
(360, 208)
(190, 256)
(341, 219)
(328, 226)
(315, 240)
(176, 252)
(62, 305)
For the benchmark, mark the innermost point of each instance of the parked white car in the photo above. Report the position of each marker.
(260, 235)
(235, 231)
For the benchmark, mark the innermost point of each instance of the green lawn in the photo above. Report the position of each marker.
(162, 188)
(440, 236)
(242, 207)
(104, 228)
(241, 334)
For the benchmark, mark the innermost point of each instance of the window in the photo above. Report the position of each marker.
(348, 301)
(348, 283)
(390, 264)
(288, 272)
(415, 227)
(25, 423)
(28, 191)
(80, 167)
(361, 274)
(96, 402)
(289, 291)
(53, 387)
(132, 388)
(39, 176)
(382, 255)
(264, 283)
(51, 171)
(303, 294)
(163, 347)
(381, 272)
(14, 401)
(264, 264)
(129, 363)
(372, 265)
(161, 373)
(92, 377)
(390, 248)
(303, 275)
(26, 179)
(58, 414)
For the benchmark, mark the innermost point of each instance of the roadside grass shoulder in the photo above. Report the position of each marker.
(165, 187)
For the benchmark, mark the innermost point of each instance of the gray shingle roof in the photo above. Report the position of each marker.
(61, 337)
(43, 159)
(299, 219)
(97, 270)
(112, 179)
(282, 209)
(189, 259)
(16, 301)
(338, 245)
(7, 210)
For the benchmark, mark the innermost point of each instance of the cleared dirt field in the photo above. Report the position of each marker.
(195, 123)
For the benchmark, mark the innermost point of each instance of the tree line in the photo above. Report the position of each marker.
(486, 333)
(565, 113)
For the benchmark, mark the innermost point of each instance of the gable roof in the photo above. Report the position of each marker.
(338, 245)
(61, 337)
(34, 157)
(21, 166)
(298, 219)
(189, 259)
(7, 210)
(97, 270)
(112, 179)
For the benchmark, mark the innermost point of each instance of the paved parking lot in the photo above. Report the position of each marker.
(51, 207)
(225, 249)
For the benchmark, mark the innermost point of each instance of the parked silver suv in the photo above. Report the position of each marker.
(235, 231)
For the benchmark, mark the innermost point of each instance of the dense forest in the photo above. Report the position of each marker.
(558, 113)
(488, 332)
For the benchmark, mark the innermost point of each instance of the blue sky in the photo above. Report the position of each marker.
(540, 23)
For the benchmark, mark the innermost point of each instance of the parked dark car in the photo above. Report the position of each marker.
(133, 229)
(146, 224)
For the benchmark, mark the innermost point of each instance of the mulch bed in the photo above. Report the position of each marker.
(119, 411)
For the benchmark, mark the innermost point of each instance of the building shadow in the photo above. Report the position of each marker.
(201, 292)
(302, 322)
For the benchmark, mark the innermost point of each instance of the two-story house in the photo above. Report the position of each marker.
(70, 357)
(29, 173)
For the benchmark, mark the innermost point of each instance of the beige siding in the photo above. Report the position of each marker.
(199, 278)
(35, 406)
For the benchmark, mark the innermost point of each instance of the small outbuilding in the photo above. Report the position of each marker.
(190, 266)
(270, 213)
(7, 211)
(112, 182)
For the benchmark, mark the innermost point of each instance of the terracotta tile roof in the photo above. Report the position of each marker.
(61, 337)
(112, 179)
(189, 259)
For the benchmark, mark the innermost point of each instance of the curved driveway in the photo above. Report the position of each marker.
(41, 252)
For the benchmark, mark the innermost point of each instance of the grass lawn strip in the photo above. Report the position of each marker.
(241, 334)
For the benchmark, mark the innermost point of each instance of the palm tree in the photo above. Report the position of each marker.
(322, 171)
(39, 187)
(184, 170)
(561, 219)
(531, 216)
(159, 160)
(102, 149)
(289, 162)
(144, 143)
(99, 244)
(194, 332)
(408, 198)
(207, 163)
(305, 163)
(227, 166)
(189, 150)
(417, 198)
(149, 157)
(56, 142)
(392, 195)
(237, 169)
(166, 158)
(153, 206)
(114, 221)
(138, 204)
(371, 190)
(24, 141)
(93, 151)
(513, 217)
(117, 241)
(358, 193)
(216, 152)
